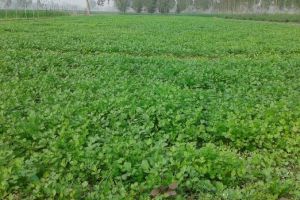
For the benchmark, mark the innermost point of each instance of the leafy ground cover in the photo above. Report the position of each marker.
(140, 107)
(276, 17)
(265, 17)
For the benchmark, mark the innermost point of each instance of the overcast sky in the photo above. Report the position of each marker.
(77, 2)
(81, 2)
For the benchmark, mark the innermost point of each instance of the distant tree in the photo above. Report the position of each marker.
(137, 5)
(93, 4)
(100, 2)
(122, 5)
(182, 5)
(164, 6)
(8, 3)
(281, 4)
(296, 3)
(23, 3)
(266, 4)
(88, 7)
(202, 4)
(150, 5)
(39, 3)
(288, 3)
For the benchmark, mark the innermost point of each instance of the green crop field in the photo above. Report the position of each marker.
(295, 18)
(123, 107)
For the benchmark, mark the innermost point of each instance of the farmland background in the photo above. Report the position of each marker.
(37, 8)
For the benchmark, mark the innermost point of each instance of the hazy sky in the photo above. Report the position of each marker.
(82, 2)
(77, 2)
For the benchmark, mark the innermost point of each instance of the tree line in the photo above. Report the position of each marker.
(39, 4)
(165, 6)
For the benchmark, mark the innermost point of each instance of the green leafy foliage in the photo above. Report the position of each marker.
(264, 17)
(124, 107)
